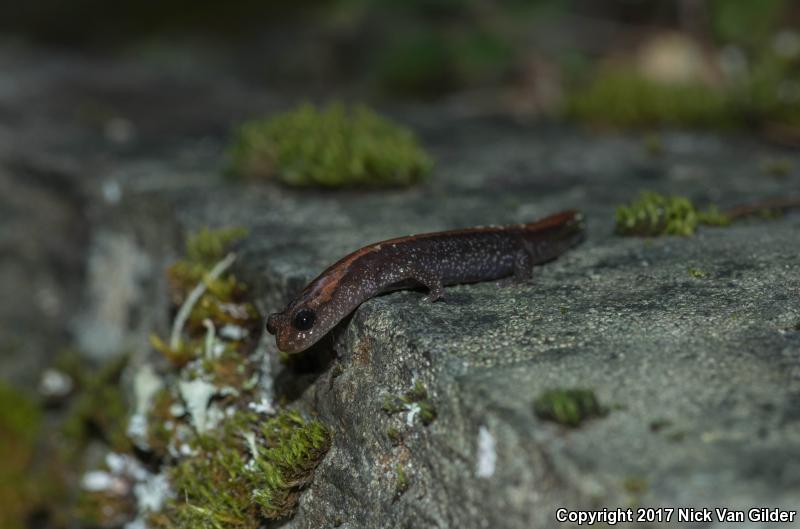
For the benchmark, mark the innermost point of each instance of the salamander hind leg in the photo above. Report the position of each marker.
(430, 281)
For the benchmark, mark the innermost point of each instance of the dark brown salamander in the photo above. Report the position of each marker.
(432, 260)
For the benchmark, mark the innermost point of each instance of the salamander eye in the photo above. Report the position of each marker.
(304, 319)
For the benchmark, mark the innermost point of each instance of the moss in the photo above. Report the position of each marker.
(105, 508)
(619, 96)
(654, 214)
(178, 356)
(392, 405)
(622, 98)
(697, 273)
(635, 485)
(569, 407)
(233, 482)
(416, 397)
(204, 249)
(161, 424)
(332, 147)
(401, 483)
(224, 301)
(394, 435)
(99, 409)
(745, 23)
(228, 369)
(20, 420)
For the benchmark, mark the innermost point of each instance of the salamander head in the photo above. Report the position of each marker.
(300, 325)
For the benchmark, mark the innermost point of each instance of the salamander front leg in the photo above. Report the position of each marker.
(523, 265)
(432, 282)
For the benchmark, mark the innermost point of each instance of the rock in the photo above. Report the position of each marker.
(700, 374)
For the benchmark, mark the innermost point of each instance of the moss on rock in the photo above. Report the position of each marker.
(569, 407)
(332, 147)
(250, 469)
(653, 214)
(19, 426)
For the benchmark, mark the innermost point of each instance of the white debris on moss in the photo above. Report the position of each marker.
(177, 410)
(413, 411)
(197, 394)
(264, 406)
(55, 384)
(100, 480)
(194, 296)
(123, 473)
(250, 437)
(151, 492)
(487, 454)
(233, 332)
(138, 523)
(126, 476)
(146, 383)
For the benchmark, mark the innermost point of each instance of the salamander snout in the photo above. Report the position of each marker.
(272, 323)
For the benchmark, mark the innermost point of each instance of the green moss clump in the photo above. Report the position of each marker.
(622, 98)
(20, 419)
(697, 273)
(333, 147)
(204, 249)
(161, 424)
(249, 470)
(654, 214)
(224, 301)
(417, 396)
(394, 435)
(401, 483)
(99, 409)
(569, 407)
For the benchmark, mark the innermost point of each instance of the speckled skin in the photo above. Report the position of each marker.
(431, 260)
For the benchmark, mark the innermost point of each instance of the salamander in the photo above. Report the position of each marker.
(431, 260)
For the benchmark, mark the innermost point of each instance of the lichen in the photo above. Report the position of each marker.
(653, 214)
(332, 147)
(569, 407)
(415, 401)
(247, 470)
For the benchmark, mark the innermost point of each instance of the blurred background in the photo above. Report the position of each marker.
(704, 63)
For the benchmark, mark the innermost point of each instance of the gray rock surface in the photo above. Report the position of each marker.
(702, 375)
